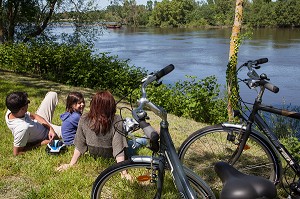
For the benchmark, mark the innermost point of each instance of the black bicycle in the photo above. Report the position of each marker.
(150, 176)
(250, 146)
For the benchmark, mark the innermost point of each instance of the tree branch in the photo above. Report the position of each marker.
(41, 28)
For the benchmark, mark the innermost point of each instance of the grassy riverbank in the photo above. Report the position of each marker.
(33, 175)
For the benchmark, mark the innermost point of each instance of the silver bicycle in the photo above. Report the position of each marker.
(151, 176)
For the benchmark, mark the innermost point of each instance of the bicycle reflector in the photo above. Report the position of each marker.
(143, 178)
(246, 147)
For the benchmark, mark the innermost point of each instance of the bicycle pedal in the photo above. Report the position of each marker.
(293, 197)
(231, 137)
(296, 190)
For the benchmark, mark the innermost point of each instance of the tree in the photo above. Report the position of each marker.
(22, 20)
(30, 16)
(1, 23)
(287, 13)
(171, 13)
(224, 10)
(130, 9)
(231, 78)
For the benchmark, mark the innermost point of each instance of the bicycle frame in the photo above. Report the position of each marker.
(273, 138)
(256, 118)
(168, 156)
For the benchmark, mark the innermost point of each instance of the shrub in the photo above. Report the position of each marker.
(293, 146)
(77, 65)
(195, 99)
(74, 65)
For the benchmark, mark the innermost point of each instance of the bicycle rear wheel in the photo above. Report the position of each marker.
(109, 183)
(202, 149)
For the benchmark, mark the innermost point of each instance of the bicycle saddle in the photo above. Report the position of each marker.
(237, 185)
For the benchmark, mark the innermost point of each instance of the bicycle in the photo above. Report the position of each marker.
(147, 175)
(250, 146)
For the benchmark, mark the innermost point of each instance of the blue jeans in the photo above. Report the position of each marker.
(140, 142)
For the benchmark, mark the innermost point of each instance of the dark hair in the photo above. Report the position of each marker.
(16, 100)
(73, 98)
(102, 112)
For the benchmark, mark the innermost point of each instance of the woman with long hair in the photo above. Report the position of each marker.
(96, 132)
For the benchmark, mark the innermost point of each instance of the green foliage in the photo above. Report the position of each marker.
(293, 146)
(287, 13)
(76, 65)
(284, 126)
(171, 13)
(232, 80)
(273, 13)
(265, 14)
(286, 129)
(192, 13)
(195, 99)
(257, 13)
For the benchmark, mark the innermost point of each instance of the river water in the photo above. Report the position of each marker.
(204, 53)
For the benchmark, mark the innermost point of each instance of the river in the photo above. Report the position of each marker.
(204, 53)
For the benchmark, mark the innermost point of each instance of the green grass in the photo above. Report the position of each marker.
(33, 175)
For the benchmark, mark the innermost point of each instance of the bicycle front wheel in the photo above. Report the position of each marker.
(109, 184)
(202, 149)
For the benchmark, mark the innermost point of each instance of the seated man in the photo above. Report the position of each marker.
(29, 129)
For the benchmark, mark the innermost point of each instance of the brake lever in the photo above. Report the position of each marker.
(157, 84)
(251, 83)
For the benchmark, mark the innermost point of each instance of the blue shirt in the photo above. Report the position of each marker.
(69, 126)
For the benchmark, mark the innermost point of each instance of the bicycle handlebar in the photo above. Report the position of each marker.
(140, 115)
(260, 61)
(269, 86)
(156, 76)
(152, 134)
(256, 80)
(250, 63)
(149, 131)
(166, 70)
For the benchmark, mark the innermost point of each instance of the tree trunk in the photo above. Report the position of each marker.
(43, 26)
(10, 17)
(1, 23)
(231, 77)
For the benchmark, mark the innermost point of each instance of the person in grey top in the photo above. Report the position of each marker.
(97, 131)
(29, 129)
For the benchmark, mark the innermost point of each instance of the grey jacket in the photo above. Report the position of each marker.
(112, 144)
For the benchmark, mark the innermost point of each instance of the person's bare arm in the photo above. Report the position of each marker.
(52, 134)
(22, 150)
(73, 161)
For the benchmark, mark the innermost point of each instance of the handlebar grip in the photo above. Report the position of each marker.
(260, 61)
(166, 70)
(269, 86)
(149, 131)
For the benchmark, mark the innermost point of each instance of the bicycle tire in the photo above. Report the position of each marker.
(203, 148)
(109, 183)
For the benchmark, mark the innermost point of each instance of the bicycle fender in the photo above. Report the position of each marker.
(145, 159)
(230, 125)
